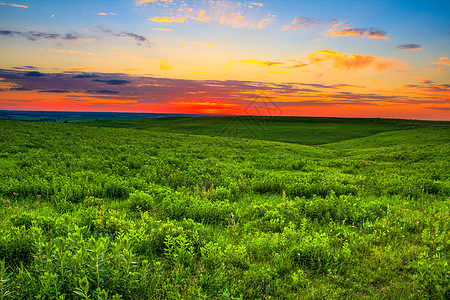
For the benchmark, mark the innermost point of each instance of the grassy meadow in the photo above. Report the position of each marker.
(225, 208)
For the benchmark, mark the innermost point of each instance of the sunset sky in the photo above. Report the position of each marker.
(308, 58)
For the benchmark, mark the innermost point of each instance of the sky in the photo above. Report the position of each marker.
(387, 59)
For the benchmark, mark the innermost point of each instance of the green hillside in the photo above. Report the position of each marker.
(301, 130)
(90, 212)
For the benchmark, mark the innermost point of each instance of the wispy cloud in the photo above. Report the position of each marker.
(38, 35)
(352, 61)
(338, 60)
(439, 108)
(197, 43)
(86, 75)
(430, 86)
(140, 39)
(229, 13)
(113, 81)
(443, 61)
(105, 14)
(104, 92)
(25, 68)
(348, 30)
(304, 22)
(359, 32)
(14, 5)
(259, 62)
(76, 52)
(297, 64)
(162, 29)
(410, 47)
(427, 91)
(168, 19)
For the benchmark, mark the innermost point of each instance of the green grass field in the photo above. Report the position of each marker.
(225, 208)
(301, 130)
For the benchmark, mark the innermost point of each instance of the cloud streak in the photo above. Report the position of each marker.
(443, 61)
(38, 35)
(259, 62)
(228, 13)
(338, 60)
(358, 32)
(428, 86)
(352, 61)
(304, 22)
(14, 5)
(113, 81)
(162, 29)
(410, 47)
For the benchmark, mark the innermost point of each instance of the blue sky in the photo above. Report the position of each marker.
(363, 58)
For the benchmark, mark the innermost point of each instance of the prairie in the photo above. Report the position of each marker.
(225, 208)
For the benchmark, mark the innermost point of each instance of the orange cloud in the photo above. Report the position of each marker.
(352, 61)
(443, 61)
(162, 29)
(297, 65)
(105, 14)
(259, 62)
(14, 5)
(169, 19)
(361, 32)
